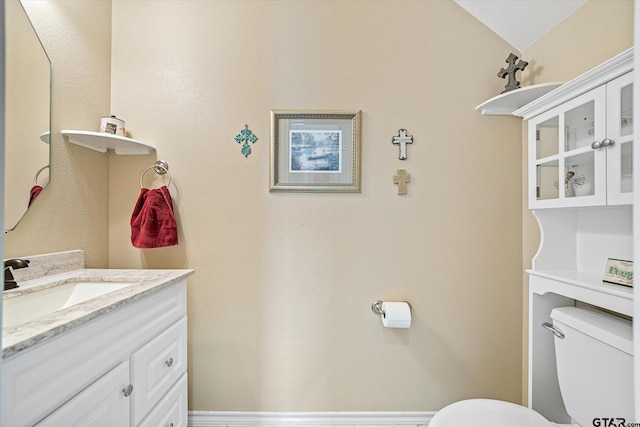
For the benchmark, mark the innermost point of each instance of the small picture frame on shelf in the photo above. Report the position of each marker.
(618, 272)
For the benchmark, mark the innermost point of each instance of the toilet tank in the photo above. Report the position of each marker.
(595, 365)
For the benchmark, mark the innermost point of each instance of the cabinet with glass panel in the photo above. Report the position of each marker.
(580, 151)
(580, 145)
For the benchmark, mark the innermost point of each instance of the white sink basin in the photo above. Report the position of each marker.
(32, 305)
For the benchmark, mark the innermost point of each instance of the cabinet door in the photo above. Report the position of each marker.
(564, 169)
(102, 404)
(620, 131)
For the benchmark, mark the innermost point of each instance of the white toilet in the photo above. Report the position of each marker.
(595, 372)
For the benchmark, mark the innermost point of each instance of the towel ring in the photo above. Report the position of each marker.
(161, 167)
(35, 178)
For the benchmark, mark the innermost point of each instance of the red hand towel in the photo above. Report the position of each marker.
(152, 222)
(35, 190)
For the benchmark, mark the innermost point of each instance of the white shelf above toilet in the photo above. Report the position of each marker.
(585, 287)
(100, 141)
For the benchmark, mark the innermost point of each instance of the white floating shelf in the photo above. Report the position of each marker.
(586, 287)
(505, 104)
(100, 141)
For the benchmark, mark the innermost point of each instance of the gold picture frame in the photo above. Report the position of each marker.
(315, 151)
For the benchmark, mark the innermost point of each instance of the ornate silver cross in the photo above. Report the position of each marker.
(402, 139)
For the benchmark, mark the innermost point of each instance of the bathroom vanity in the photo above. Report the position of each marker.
(114, 353)
(580, 145)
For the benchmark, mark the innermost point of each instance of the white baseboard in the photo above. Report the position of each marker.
(304, 419)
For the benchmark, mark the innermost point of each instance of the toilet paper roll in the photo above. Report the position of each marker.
(396, 315)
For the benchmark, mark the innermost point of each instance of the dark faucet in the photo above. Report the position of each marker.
(9, 281)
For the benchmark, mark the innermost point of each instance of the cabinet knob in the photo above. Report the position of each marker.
(169, 362)
(127, 390)
(603, 144)
(607, 142)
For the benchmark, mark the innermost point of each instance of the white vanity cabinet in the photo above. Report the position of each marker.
(580, 140)
(580, 170)
(124, 368)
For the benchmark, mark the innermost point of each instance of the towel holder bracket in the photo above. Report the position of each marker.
(161, 167)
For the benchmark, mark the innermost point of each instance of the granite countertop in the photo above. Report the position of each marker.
(145, 282)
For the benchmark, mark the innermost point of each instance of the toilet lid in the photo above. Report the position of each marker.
(487, 413)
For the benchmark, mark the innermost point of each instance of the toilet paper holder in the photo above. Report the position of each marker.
(376, 307)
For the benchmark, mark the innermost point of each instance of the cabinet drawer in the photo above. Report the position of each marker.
(157, 366)
(171, 411)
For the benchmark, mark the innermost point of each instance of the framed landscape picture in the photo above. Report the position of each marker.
(315, 151)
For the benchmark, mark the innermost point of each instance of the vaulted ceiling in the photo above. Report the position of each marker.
(521, 22)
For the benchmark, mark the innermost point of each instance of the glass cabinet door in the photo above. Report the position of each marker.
(620, 135)
(579, 175)
(547, 180)
(579, 171)
(569, 172)
(547, 167)
(579, 126)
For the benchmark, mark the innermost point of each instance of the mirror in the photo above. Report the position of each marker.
(27, 114)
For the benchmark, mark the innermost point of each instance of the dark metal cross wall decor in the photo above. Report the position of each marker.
(510, 72)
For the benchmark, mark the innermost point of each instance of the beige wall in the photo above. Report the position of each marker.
(596, 32)
(279, 315)
(72, 212)
(279, 307)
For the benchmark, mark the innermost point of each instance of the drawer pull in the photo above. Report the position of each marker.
(169, 362)
(128, 390)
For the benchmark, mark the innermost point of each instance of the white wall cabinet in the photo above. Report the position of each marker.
(581, 150)
(584, 220)
(125, 368)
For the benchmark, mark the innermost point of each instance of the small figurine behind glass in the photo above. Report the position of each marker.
(571, 182)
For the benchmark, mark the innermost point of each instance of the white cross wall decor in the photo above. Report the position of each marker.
(402, 139)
